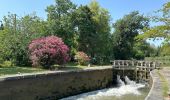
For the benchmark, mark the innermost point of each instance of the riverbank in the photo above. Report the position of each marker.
(165, 72)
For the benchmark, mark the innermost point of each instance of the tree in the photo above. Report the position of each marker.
(47, 51)
(126, 29)
(101, 18)
(1, 26)
(143, 49)
(60, 23)
(17, 34)
(165, 50)
(161, 30)
(86, 30)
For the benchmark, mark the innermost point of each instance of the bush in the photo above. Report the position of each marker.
(6, 64)
(48, 51)
(82, 58)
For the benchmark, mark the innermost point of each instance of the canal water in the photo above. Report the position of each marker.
(128, 90)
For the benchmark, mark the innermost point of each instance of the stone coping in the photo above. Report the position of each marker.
(48, 73)
(150, 91)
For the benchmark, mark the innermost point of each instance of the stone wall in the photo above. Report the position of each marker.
(54, 85)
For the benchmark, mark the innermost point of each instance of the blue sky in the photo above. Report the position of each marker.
(117, 8)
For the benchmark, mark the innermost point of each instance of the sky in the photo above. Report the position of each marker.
(117, 8)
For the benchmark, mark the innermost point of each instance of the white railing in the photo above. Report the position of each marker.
(135, 64)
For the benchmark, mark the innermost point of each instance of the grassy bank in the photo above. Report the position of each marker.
(165, 87)
(21, 70)
(18, 70)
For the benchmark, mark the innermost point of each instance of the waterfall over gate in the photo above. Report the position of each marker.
(130, 87)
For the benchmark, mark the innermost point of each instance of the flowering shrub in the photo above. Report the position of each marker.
(82, 58)
(47, 51)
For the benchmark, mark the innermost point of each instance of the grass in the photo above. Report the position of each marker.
(71, 66)
(165, 87)
(16, 70)
(76, 66)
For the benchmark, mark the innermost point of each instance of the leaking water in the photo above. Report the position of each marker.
(129, 91)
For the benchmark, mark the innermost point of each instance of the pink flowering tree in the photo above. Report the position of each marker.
(47, 51)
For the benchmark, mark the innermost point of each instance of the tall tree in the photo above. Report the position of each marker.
(101, 18)
(84, 25)
(126, 29)
(17, 34)
(59, 20)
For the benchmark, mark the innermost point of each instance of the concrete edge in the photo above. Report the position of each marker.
(153, 84)
(47, 73)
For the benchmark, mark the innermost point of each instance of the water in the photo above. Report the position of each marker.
(119, 81)
(130, 91)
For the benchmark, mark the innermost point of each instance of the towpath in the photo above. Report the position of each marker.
(166, 73)
(156, 89)
(156, 92)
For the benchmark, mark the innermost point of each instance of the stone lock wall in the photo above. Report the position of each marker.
(132, 74)
(54, 85)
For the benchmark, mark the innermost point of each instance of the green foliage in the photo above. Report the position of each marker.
(126, 29)
(101, 18)
(60, 22)
(142, 49)
(17, 34)
(162, 29)
(165, 50)
(6, 64)
(93, 27)
(85, 29)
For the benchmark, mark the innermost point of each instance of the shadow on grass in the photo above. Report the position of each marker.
(69, 68)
